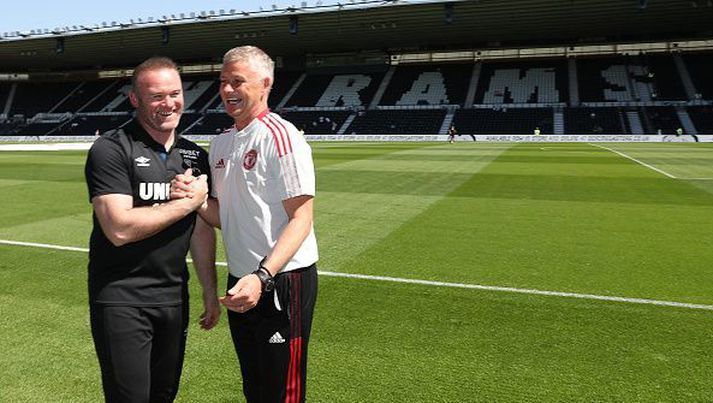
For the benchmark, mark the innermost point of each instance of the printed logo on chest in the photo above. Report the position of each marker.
(250, 159)
(142, 161)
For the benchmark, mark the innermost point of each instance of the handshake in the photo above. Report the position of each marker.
(188, 186)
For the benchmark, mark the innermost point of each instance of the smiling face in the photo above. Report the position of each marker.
(244, 91)
(158, 99)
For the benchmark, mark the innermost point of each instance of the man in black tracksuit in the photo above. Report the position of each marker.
(138, 276)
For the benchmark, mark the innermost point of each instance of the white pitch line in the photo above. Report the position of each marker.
(43, 245)
(529, 291)
(635, 160)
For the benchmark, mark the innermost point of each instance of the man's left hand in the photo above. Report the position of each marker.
(244, 296)
(211, 312)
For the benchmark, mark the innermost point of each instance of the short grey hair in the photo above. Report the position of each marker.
(253, 56)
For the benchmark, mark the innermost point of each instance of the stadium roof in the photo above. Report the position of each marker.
(393, 26)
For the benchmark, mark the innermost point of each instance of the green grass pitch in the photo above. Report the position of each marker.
(568, 218)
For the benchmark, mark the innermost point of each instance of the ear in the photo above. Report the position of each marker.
(134, 99)
(266, 83)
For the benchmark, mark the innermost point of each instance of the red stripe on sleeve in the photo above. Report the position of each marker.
(283, 129)
(275, 136)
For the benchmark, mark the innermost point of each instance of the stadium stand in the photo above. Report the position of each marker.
(335, 90)
(665, 79)
(702, 117)
(700, 67)
(503, 120)
(661, 118)
(113, 98)
(82, 95)
(615, 95)
(523, 82)
(86, 124)
(428, 85)
(32, 98)
(413, 121)
(317, 122)
(284, 81)
(595, 120)
(373, 67)
(212, 123)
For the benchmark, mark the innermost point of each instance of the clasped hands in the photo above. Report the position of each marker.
(246, 293)
(186, 185)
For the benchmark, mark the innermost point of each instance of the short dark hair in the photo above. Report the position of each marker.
(152, 63)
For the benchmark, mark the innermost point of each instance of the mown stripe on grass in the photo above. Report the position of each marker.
(675, 163)
(358, 205)
(635, 160)
(529, 291)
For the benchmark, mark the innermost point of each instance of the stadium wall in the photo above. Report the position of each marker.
(517, 138)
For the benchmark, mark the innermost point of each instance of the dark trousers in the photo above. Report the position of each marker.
(140, 351)
(271, 339)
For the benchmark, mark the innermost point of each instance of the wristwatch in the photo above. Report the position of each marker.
(268, 282)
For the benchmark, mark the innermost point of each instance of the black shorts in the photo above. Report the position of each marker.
(271, 339)
(140, 350)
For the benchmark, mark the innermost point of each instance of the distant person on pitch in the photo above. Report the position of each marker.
(537, 131)
(452, 132)
(264, 184)
(138, 278)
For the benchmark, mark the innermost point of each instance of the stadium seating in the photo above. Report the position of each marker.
(702, 117)
(82, 95)
(210, 123)
(335, 90)
(634, 94)
(413, 121)
(317, 122)
(664, 77)
(284, 81)
(428, 85)
(662, 118)
(700, 67)
(32, 98)
(503, 120)
(532, 83)
(595, 120)
(113, 98)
